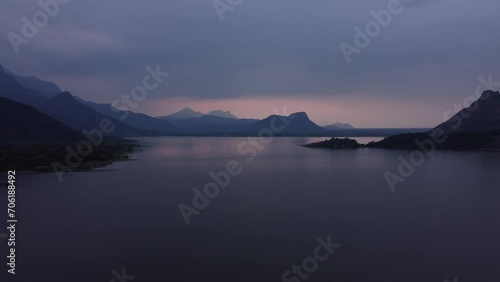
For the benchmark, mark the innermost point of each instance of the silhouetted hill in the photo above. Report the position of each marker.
(338, 125)
(222, 114)
(22, 124)
(482, 115)
(461, 141)
(11, 89)
(190, 113)
(298, 123)
(46, 88)
(62, 107)
(184, 113)
(474, 128)
(136, 120)
(209, 124)
(32, 140)
(65, 108)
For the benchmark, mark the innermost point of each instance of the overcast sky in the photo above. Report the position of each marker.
(265, 54)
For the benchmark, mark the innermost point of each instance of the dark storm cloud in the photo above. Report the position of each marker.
(262, 48)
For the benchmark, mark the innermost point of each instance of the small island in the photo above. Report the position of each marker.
(336, 143)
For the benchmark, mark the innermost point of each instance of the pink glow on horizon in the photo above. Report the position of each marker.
(365, 112)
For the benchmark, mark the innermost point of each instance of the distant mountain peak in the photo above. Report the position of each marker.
(65, 96)
(65, 93)
(185, 113)
(339, 125)
(190, 113)
(189, 110)
(298, 115)
(488, 93)
(482, 115)
(47, 89)
(223, 114)
(298, 123)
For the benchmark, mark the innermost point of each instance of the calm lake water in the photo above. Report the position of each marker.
(442, 222)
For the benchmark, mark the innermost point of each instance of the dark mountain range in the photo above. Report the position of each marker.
(22, 124)
(10, 88)
(46, 88)
(62, 107)
(32, 140)
(136, 120)
(65, 108)
(222, 114)
(209, 124)
(190, 113)
(296, 124)
(80, 114)
(184, 113)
